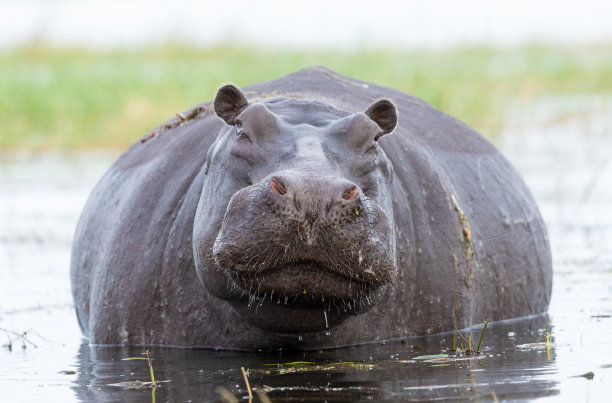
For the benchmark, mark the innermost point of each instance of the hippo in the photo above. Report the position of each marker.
(312, 211)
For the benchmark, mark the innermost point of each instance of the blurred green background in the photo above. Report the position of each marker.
(73, 98)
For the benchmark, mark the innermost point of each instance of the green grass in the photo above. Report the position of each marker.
(73, 98)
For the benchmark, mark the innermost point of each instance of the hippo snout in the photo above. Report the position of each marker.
(309, 200)
(287, 230)
(350, 192)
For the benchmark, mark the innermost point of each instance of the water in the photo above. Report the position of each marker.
(560, 145)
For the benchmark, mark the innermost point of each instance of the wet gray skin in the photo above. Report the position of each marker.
(310, 215)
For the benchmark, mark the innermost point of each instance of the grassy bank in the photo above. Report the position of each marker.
(69, 99)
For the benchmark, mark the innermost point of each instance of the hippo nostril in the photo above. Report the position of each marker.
(277, 186)
(350, 193)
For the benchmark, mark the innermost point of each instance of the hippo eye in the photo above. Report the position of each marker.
(243, 135)
(372, 149)
(240, 132)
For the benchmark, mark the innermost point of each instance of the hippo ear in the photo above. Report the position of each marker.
(384, 113)
(229, 102)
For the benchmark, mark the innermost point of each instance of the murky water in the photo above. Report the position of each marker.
(562, 147)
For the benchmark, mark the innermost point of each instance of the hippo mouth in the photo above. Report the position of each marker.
(304, 284)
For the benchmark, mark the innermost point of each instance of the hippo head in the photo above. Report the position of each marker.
(295, 223)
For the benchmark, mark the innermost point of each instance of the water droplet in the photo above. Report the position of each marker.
(325, 315)
(327, 333)
(300, 338)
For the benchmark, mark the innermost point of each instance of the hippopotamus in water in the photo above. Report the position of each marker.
(307, 212)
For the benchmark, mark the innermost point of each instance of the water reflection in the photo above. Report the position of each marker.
(372, 372)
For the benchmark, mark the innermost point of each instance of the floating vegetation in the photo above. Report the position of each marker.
(444, 359)
(153, 384)
(326, 389)
(308, 366)
(305, 367)
(431, 356)
(148, 358)
(137, 384)
(589, 375)
(293, 363)
(532, 346)
(538, 345)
